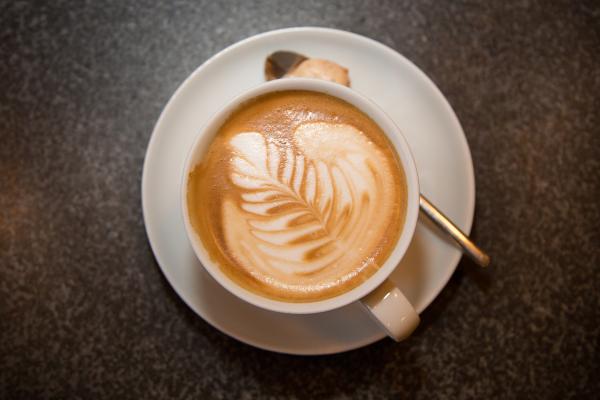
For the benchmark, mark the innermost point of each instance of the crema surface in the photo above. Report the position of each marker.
(300, 196)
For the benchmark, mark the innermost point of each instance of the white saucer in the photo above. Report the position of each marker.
(403, 91)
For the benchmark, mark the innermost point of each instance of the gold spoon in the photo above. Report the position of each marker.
(280, 63)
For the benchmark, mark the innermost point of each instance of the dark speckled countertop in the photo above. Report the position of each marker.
(85, 311)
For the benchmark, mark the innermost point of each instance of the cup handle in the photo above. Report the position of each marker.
(390, 308)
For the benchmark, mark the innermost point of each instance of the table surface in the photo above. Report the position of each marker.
(84, 309)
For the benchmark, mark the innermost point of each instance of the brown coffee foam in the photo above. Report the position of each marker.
(212, 194)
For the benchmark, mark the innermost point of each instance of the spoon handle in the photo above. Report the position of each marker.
(447, 226)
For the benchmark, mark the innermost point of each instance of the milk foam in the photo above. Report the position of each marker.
(310, 212)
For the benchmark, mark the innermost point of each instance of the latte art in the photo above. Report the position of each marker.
(307, 211)
(307, 206)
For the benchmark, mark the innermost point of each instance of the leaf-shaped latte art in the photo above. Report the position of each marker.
(307, 207)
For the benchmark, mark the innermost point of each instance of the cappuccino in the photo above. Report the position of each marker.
(300, 196)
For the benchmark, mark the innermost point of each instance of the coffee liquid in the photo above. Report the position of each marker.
(300, 196)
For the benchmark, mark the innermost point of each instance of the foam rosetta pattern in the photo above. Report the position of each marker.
(308, 214)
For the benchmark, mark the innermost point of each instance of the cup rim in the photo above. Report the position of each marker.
(392, 132)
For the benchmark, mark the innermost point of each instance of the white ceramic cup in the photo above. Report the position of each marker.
(381, 298)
